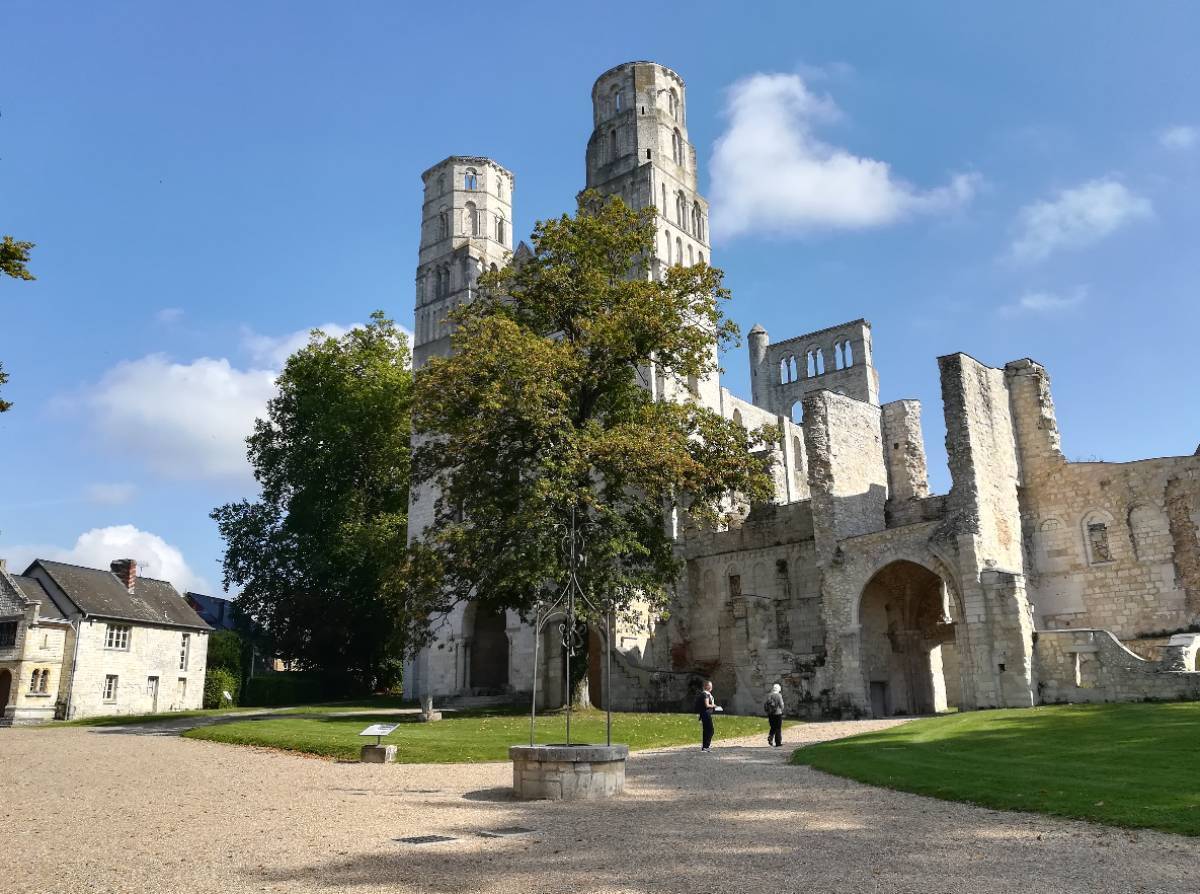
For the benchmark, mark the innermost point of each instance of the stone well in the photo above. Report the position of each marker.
(568, 772)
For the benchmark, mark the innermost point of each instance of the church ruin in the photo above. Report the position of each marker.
(1032, 580)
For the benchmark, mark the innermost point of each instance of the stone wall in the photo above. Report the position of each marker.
(1090, 665)
(152, 652)
(1110, 545)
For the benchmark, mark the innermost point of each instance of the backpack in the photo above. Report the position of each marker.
(768, 705)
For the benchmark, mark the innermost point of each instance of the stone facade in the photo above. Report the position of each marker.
(854, 587)
(91, 644)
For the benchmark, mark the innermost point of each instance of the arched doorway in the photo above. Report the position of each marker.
(489, 652)
(910, 657)
(5, 690)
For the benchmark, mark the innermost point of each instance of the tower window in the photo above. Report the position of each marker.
(647, 155)
(470, 179)
(612, 145)
(443, 224)
(678, 251)
(677, 147)
(680, 214)
(501, 230)
(697, 221)
(1097, 539)
(472, 222)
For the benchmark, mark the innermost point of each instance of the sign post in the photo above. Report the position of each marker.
(379, 753)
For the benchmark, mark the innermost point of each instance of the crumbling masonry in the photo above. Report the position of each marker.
(1033, 580)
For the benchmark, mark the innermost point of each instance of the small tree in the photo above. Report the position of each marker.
(541, 418)
(14, 256)
(318, 555)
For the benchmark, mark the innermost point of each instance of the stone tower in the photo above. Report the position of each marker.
(466, 228)
(639, 150)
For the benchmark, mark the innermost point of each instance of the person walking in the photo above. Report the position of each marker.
(773, 706)
(705, 707)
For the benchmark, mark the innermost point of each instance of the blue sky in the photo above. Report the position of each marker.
(205, 181)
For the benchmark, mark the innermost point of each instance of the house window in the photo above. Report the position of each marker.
(1097, 534)
(33, 680)
(45, 681)
(117, 637)
(184, 651)
(8, 634)
(110, 688)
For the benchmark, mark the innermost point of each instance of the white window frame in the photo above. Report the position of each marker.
(111, 687)
(185, 651)
(117, 637)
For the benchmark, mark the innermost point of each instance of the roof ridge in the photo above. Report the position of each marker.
(157, 580)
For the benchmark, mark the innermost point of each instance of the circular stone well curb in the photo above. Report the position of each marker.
(568, 772)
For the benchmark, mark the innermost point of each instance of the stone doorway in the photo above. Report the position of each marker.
(489, 652)
(6, 680)
(910, 653)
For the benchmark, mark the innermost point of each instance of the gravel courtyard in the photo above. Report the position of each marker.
(138, 810)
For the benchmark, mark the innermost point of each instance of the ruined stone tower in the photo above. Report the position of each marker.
(639, 150)
(466, 228)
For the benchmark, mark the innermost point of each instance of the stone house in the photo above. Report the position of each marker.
(1034, 579)
(81, 642)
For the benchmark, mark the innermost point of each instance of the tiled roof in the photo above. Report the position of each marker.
(100, 593)
(34, 591)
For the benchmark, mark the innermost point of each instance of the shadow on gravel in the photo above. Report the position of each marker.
(490, 794)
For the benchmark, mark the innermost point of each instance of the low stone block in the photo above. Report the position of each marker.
(430, 716)
(378, 754)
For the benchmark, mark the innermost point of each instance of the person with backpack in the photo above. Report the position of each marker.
(705, 706)
(773, 708)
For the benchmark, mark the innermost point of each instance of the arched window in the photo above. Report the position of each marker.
(783, 372)
(470, 179)
(837, 355)
(501, 230)
(612, 145)
(441, 184)
(737, 418)
(798, 413)
(678, 251)
(697, 222)
(792, 375)
(493, 268)
(443, 224)
(847, 353)
(45, 680)
(677, 147)
(472, 215)
(618, 99)
(701, 257)
(680, 214)
(811, 366)
(820, 362)
(1095, 536)
(673, 104)
(690, 261)
(663, 208)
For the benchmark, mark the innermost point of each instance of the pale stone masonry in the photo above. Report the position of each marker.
(1032, 580)
(89, 642)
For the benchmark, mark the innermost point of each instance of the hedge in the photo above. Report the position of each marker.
(217, 681)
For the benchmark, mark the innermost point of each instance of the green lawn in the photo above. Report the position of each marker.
(373, 702)
(1126, 765)
(467, 736)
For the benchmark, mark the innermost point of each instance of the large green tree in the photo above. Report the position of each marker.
(542, 416)
(14, 256)
(319, 554)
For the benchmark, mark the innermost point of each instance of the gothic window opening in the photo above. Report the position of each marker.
(811, 366)
(735, 586)
(441, 184)
(690, 261)
(470, 179)
(837, 355)
(612, 145)
(798, 413)
(618, 98)
(1097, 539)
(678, 251)
(680, 216)
(501, 230)
(783, 372)
(701, 254)
(677, 147)
(697, 222)
(472, 219)
(673, 104)
(792, 373)
(443, 224)
(820, 362)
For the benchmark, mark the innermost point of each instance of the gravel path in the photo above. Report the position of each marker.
(115, 810)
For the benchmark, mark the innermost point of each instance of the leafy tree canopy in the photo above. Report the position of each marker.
(14, 256)
(542, 414)
(319, 553)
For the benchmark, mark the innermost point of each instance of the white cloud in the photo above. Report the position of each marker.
(1045, 302)
(1181, 136)
(274, 350)
(99, 546)
(188, 420)
(1076, 217)
(169, 315)
(110, 494)
(771, 172)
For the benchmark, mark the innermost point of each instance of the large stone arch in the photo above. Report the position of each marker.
(909, 623)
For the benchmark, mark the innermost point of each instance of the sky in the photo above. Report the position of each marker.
(207, 182)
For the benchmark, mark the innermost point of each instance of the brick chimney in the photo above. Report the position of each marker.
(126, 571)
